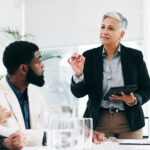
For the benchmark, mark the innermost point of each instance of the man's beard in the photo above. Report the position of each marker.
(33, 78)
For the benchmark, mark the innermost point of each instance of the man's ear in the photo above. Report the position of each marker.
(23, 69)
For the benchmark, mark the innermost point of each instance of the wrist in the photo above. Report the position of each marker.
(133, 103)
(5, 143)
(1, 143)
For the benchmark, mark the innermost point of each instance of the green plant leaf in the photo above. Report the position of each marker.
(15, 34)
(46, 55)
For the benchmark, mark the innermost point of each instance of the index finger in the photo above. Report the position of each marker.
(100, 137)
(18, 132)
(122, 93)
(76, 55)
(131, 94)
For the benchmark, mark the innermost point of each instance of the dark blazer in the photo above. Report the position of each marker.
(134, 72)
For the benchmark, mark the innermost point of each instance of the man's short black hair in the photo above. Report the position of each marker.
(17, 53)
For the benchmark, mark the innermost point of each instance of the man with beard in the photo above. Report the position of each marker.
(18, 94)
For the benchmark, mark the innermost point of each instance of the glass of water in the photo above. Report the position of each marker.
(84, 133)
(62, 134)
(88, 133)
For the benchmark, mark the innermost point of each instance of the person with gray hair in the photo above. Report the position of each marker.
(122, 20)
(112, 65)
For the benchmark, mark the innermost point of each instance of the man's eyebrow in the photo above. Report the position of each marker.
(39, 56)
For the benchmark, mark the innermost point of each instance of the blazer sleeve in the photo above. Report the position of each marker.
(34, 135)
(81, 89)
(78, 89)
(143, 93)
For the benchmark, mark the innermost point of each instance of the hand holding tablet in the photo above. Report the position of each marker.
(117, 91)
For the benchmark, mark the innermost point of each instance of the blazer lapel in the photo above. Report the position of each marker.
(31, 102)
(125, 66)
(14, 104)
(99, 66)
(99, 72)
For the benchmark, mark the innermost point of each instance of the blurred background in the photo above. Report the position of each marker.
(62, 27)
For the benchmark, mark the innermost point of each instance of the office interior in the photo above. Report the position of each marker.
(62, 27)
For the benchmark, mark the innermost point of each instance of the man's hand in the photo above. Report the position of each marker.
(128, 99)
(4, 115)
(15, 141)
(98, 137)
(77, 61)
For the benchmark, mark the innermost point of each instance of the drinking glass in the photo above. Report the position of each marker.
(50, 119)
(61, 111)
(88, 133)
(84, 133)
(62, 134)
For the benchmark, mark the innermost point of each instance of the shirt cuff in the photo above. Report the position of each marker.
(78, 79)
(138, 98)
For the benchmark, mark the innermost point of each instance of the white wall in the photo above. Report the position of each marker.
(10, 16)
(146, 20)
(71, 22)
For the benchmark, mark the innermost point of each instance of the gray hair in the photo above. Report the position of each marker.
(123, 21)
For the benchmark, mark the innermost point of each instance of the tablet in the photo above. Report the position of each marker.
(134, 142)
(117, 90)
